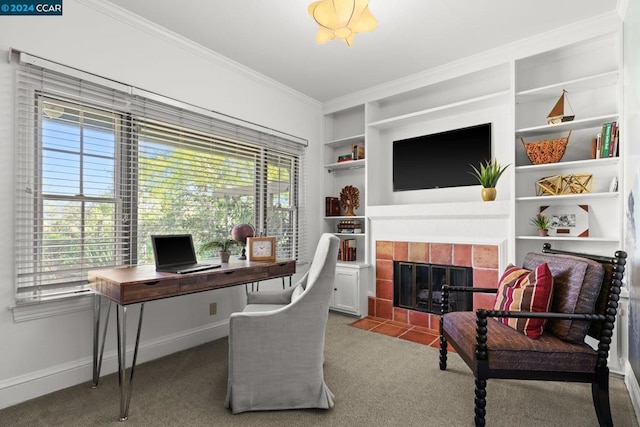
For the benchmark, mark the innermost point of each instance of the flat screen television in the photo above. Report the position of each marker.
(440, 160)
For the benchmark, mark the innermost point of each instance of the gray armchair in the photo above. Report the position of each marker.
(276, 345)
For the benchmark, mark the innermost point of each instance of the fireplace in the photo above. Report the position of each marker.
(482, 259)
(418, 286)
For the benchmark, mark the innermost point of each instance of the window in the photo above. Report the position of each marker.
(74, 217)
(99, 170)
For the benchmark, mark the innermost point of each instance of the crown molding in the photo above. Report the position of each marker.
(153, 29)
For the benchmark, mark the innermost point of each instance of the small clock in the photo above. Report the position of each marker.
(261, 248)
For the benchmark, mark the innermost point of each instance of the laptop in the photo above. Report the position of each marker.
(175, 254)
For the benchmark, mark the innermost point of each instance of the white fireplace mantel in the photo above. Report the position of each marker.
(458, 210)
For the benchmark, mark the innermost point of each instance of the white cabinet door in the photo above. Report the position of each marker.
(347, 290)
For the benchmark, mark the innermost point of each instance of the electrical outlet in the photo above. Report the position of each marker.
(213, 308)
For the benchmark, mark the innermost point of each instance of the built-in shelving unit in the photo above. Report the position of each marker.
(515, 96)
(590, 73)
(343, 130)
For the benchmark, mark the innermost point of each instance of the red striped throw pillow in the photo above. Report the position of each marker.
(525, 290)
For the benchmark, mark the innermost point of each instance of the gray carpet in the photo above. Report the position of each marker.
(377, 380)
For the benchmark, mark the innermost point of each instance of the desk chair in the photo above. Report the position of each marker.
(276, 345)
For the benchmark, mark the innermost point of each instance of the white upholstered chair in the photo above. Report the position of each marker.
(276, 345)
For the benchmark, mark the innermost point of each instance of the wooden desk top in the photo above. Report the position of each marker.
(130, 285)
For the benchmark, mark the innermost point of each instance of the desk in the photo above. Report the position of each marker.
(138, 285)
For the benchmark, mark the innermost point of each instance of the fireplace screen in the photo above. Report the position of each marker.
(419, 286)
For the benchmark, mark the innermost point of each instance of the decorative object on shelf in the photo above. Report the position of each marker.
(541, 222)
(567, 220)
(223, 245)
(350, 200)
(262, 248)
(577, 184)
(488, 194)
(488, 175)
(341, 19)
(331, 206)
(549, 186)
(240, 234)
(556, 115)
(613, 185)
(556, 185)
(546, 150)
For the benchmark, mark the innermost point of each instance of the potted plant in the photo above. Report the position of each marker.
(488, 175)
(541, 222)
(223, 246)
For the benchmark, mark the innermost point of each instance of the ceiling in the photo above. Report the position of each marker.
(277, 37)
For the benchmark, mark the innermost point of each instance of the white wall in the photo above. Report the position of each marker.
(632, 193)
(39, 356)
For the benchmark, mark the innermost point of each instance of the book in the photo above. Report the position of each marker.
(606, 139)
(614, 146)
(357, 152)
(347, 250)
(332, 206)
(614, 131)
(348, 224)
(345, 157)
(594, 148)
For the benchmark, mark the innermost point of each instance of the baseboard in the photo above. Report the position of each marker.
(634, 389)
(25, 387)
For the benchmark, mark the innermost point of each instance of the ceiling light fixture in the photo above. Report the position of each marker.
(342, 19)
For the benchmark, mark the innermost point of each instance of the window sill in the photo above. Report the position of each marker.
(26, 311)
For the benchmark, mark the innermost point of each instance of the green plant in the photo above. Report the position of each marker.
(488, 173)
(541, 222)
(222, 245)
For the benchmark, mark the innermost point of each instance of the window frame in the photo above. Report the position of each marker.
(125, 196)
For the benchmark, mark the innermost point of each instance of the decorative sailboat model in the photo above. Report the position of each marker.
(556, 115)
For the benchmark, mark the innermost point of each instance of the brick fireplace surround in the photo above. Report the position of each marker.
(482, 258)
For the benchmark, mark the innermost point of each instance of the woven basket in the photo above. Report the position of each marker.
(546, 150)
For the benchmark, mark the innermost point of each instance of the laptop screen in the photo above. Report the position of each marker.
(173, 250)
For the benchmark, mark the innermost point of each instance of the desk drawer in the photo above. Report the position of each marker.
(150, 290)
(282, 269)
(221, 279)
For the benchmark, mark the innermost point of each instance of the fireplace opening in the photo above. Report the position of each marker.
(418, 286)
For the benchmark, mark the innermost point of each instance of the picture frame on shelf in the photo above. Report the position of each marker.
(567, 220)
(261, 248)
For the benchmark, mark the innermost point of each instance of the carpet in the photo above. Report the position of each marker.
(377, 380)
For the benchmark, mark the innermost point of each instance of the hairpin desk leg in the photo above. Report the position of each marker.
(98, 348)
(125, 389)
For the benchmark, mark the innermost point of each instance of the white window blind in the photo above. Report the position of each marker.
(98, 170)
